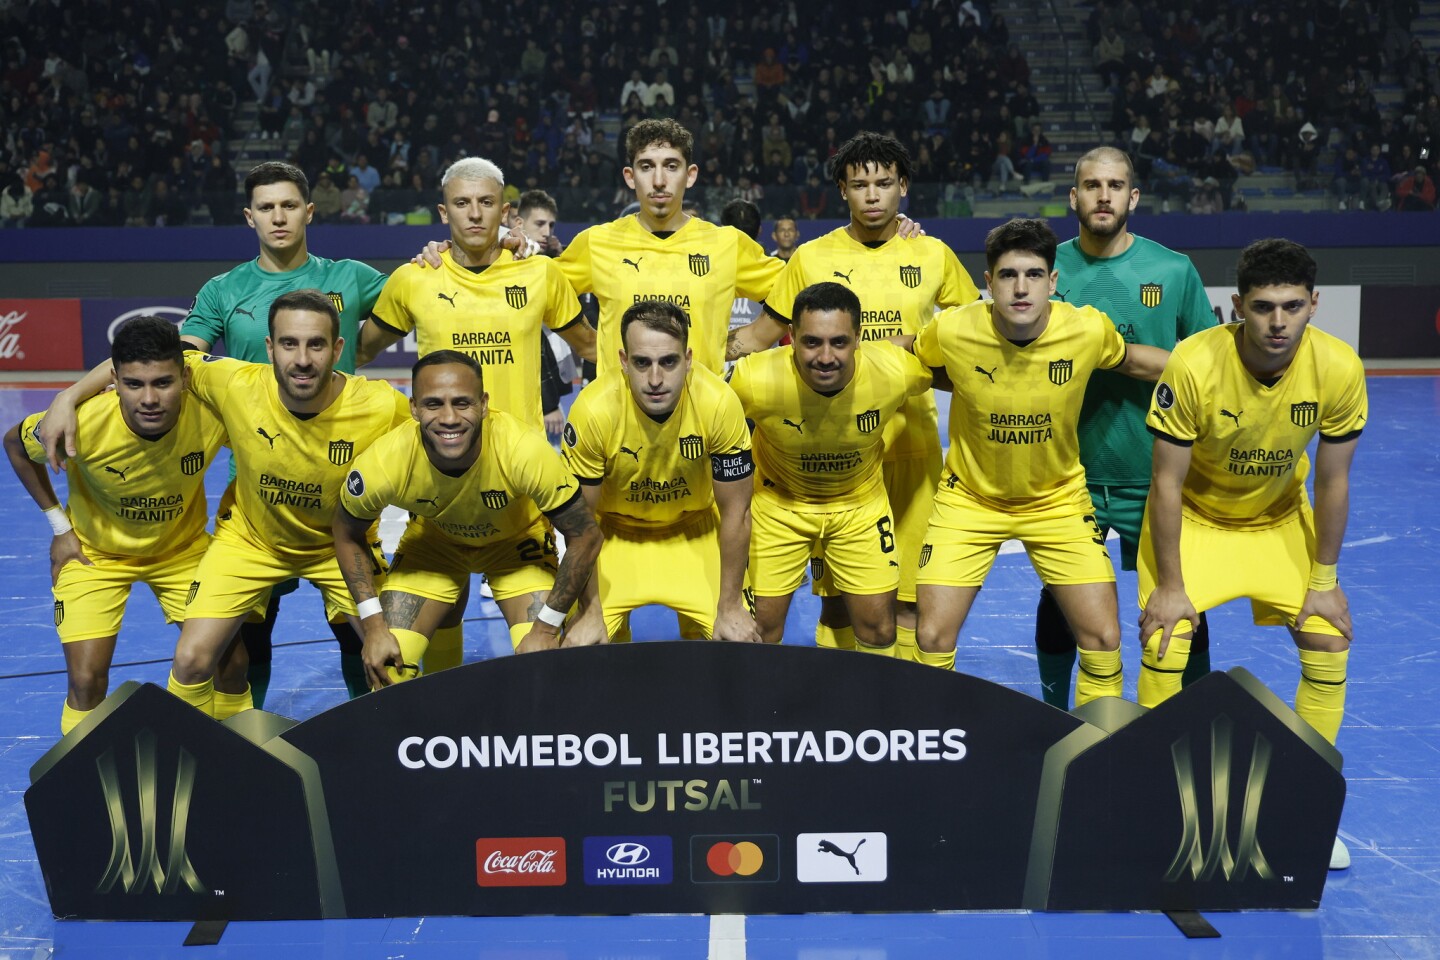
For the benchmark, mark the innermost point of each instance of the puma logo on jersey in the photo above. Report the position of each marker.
(118, 473)
(792, 423)
(244, 311)
(951, 480)
(1232, 416)
(827, 847)
(633, 453)
(988, 373)
(434, 503)
(844, 276)
(562, 486)
(261, 431)
(450, 299)
(633, 263)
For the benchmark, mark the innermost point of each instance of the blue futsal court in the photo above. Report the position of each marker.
(1387, 905)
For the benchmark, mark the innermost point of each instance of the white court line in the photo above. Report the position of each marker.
(727, 937)
(1368, 541)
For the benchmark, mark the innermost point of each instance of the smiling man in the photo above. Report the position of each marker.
(1019, 366)
(662, 454)
(483, 490)
(1228, 517)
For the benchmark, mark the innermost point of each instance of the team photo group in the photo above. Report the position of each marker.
(709, 468)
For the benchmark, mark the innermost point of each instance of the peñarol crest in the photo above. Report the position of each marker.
(341, 451)
(1304, 414)
(699, 264)
(516, 297)
(910, 276)
(1151, 294)
(1060, 371)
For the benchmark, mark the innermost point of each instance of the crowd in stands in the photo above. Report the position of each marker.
(1213, 91)
(119, 111)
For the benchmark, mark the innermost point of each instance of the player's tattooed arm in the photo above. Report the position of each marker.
(759, 334)
(588, 625)
(357, 565)
(582, 545)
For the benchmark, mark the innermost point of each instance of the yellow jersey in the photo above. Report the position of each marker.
(656, 474)
(701, 268)
(900, 283)
(516, 477)
(493, 315)
(1248, 437)
(1015, 410)
(131, 496)
(817, 449)
(289, 468)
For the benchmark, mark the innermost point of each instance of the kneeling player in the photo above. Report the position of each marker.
(820, 407)
(1018, 366)
(482, 489)
(137, 501)
(656, 451)
(1228, 516)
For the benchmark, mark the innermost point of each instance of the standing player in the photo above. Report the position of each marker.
(663, 457)
(1228, 516)
(1154, 296)
(1019, 366)
(482, 489)
(534, 217)
(900, 283)
(820, 408)
(137, 501)
(786, 235)
(235, 307)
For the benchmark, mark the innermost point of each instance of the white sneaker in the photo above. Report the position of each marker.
(1339, 856)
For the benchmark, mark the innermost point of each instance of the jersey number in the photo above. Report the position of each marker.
(1096, 534)
(887, 539)
(532, 550)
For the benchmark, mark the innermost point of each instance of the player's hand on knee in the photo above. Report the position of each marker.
(1332, 606)
(430, 256)
(542, 636)
(1166, 607)
(381, 651)
(735, 624)
(65, 549)
(587, 630)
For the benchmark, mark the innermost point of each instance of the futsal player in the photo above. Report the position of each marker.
(137, 502)
(662, 453)
(1155, 296)
(900, 283)
(820, 408)
(1018, 366)
(1228, 516)
(483, 489)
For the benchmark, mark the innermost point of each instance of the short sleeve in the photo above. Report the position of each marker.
(540, 473)
(207, 316)
(956, 287)
(371, 283)
(393, 306)
(562, 305)
(927, 344)
(1345, 417)
(1196, 313)
(210, 375)
(903, 365)
(1112, 344)
(368, 488)
(755, 270)
(574, 262)
(402, 412)
(585, 434)
(1175, 403)
(781, 299)
(28, 429)
(740, 381)
(728, 431)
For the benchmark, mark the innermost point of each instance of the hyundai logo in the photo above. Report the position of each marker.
(628, 854)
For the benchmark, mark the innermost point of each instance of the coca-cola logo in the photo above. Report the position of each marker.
(520, 861)
(10, 337)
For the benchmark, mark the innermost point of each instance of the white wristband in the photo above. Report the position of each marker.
(550, 615)
(59, 523)
(367, 608)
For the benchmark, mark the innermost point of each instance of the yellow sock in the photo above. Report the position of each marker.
(1320, 697)
(945, 660)
(446, 650)
(623, 635)
(412, 651)
(834, 638)
(905, 648)
(200, 695)
(1099, 676)
(519, 632)
(886, 651)
(69, 717)
(1161, 679)
(229, 704)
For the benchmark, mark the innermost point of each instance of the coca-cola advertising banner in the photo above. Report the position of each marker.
(687, 778)
(40, 335)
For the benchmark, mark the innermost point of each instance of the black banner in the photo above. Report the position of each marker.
(689, 778)
(1399, 322)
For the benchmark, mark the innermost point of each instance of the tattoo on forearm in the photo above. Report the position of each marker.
(358, 572)
(400, 609)
(574, 520)
(732, 345)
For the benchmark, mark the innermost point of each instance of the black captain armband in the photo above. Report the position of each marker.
(731, 466)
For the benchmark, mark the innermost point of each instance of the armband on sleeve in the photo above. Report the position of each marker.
(731, 466)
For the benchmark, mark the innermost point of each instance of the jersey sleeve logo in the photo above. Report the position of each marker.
(692, 446)
(517, 297)
(570, 438)
(192, 463)
(494, 499)
(1164, 396)
(867, 421)
(1061, 371)
(910, 276)
(355, 484)
(341, 451)
(1151, 294)
(1304, 414)
(699, 264)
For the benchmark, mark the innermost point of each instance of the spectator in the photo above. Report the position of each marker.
(383, 113)
(366, 176)
(1002, 165)
(1035, 155)
(326, 197)
(355, 202)
(85, 204)
(813, 199)
(1207, 198)
(1024, 109)
(16, 203)
(1345, 183)
(1229, 133)
(1110, 56)
(1307, 156)
(1375, 180)
(1416, 193)
(164, 207)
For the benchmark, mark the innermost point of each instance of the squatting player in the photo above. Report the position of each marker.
(662, 454)
(482, 489)
(137, 502)
(1228, 515)
(1155, 296)
(900, 283)
(1018, 367)
(820, 408)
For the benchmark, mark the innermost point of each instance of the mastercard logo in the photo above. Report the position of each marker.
(743, 859)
